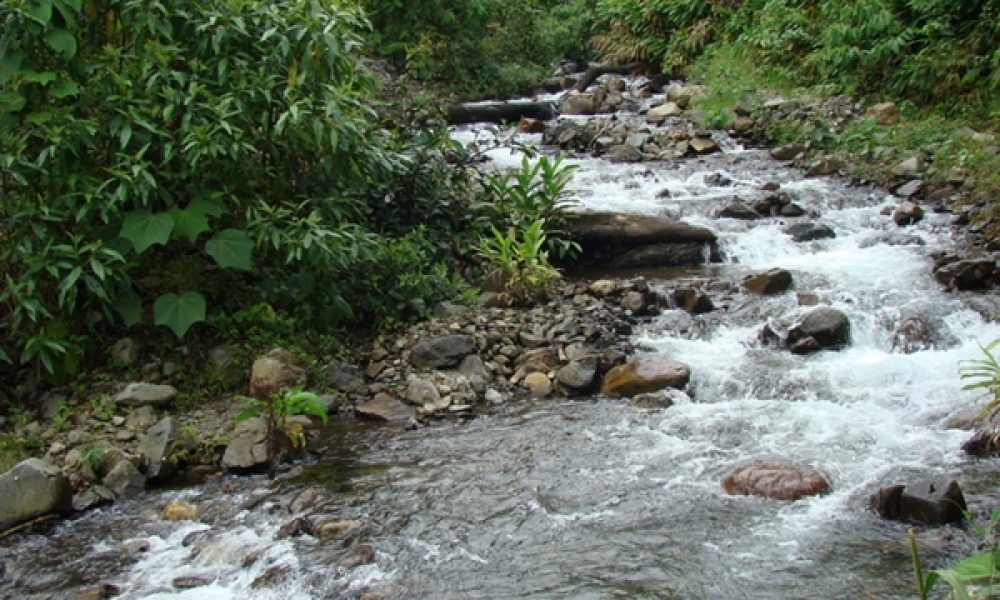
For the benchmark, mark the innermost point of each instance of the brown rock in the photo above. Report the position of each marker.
(539, 384)
(885, 113)
(923, 503)
(773, 281)
(703, 145)
(178, 510)
(777, 480)
(692, 301)
(908, 213)
(644, 374)
(528, 125)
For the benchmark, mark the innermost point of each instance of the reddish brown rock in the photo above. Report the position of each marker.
(773, 281)
(777, 480)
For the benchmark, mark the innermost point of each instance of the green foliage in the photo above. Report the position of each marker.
(537, 192)
(984, 373)
(276, 409)
(518, 263)
(92, 455)
(975, 576)
(479, 47)
(160, 163)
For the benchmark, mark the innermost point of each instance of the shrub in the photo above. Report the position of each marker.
(517, 262)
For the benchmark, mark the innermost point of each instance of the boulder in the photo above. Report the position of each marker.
(475, 371)
(828, 327)
(275, 371)
(643, 374)
(692, 301)
(421, 392)
(344, 377)
(125, 480)
(660, 113)
(909, 167)
(807, 232)
(579, 375)
(146, 394)
(32, 488)
(773, 281)
(179, 510)
(967, 274)
(703, 145)
(93, 497)
(884, 113)
(577, 103)
(445, 351)
(608, 228)
(738, 210)
(157, 445)
(662, 255)
(538, 384)
(776, 480)
(248, 448)
(909, 189)
(923, 503)
(623, 153)
(529, 125)
(384, 407)
(787, 152)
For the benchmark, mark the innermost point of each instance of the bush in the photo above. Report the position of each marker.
(164, 161)
(517, 263)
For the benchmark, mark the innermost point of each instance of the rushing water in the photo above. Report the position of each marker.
(592, 499)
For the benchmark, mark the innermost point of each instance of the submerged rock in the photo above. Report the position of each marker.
(807, 232)
(777, 480)
(384, 407)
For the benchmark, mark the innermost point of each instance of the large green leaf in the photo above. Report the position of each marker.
(144, 228)
(179, 313)
(64, 89)
(62, 42)
(231, 248)
(190, 222)
(41, 11)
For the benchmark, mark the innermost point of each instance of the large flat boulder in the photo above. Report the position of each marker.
(33, 488)
(631, 240)
(446, 351)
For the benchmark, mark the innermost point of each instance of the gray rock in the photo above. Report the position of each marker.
(125, 480)
(579, 375)
(623, 153)
(50, 403)
(384, 407)
(909, 167)
(892, 238)
(345, 377)
(475, 371)
(829, 327)
(146, 394)
(910, 188)
(421, 392)
(969, 274)
(93, 497)
(141, 418)
(248, 448)
(773, 281)
(576, 103)
(33, 488)
(597, 228)
(663, 255)
(156, 447)
(738, 210)
(807, 232)
(658, 114)
(445, 351)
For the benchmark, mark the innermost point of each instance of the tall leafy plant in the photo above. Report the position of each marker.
(146, 147)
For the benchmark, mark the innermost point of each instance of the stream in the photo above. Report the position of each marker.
(591, 498)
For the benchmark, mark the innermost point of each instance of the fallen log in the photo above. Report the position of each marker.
(594, 71)
(499, 112)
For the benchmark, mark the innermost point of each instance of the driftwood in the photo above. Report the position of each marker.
(499, 112)
(594, 71)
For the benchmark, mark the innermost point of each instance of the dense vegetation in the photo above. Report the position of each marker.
(222, 171)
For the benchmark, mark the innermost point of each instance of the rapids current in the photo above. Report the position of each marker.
(592, 499)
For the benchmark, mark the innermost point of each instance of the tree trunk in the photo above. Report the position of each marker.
(594, 71)
(499, 112)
